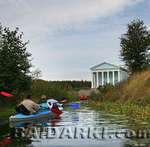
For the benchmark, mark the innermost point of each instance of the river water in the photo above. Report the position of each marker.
(81, 127)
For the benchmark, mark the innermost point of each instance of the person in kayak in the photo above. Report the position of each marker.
(27, 106)
(43, 99)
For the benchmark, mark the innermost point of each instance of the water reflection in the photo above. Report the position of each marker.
(19, 134)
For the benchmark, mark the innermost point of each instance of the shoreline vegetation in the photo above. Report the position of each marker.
(59, 90)
(135, 113)
(130, 98)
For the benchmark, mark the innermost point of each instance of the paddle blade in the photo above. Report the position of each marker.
(6, 94)
(56, 111)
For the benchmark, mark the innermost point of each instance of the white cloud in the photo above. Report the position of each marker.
(38, 15)
(37, 18)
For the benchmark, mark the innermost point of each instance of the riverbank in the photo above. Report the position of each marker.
(136, 113)
(130, 98)
(5, 112)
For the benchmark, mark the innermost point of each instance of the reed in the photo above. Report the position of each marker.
(130, 98)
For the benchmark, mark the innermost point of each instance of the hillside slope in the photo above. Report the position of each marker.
(136, 88)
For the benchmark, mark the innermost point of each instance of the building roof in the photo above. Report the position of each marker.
(106, 65)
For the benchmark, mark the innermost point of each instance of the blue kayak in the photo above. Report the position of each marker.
(74, 105)
(40, 114)
(45, 111)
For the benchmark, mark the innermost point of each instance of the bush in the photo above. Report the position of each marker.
(96, 96)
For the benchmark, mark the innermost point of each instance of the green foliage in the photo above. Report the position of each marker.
(5, 112)
(57, 89)
(131, 97)
(96, 96)
(133, 111)
(105, 88)
(135, 46)
(106, 92)
(76, 85)
(113, 93)
(14, 61)
(142, 102)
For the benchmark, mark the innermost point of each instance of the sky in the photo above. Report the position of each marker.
(67, 37)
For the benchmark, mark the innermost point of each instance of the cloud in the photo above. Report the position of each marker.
(37, 18)
(38, 15)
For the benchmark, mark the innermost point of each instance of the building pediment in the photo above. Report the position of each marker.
(106, 73)
(104, 66)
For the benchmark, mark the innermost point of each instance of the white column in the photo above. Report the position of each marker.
(97, 79)
(119, 75)
(107, 76)
(113, 73)
(94, 80)
(102, 78)
(92, 84)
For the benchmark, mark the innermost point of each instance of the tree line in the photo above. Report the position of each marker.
(58, 89)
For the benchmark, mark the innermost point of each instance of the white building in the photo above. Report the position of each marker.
(105, 73)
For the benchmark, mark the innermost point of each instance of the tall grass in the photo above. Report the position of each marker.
(136, 88)
(131, 97)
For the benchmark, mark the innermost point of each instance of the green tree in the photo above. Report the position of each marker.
(14, 61)
(135, 46)
(36, 74)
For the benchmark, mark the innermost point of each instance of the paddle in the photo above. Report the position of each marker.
(6, 94)
(56, 110)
